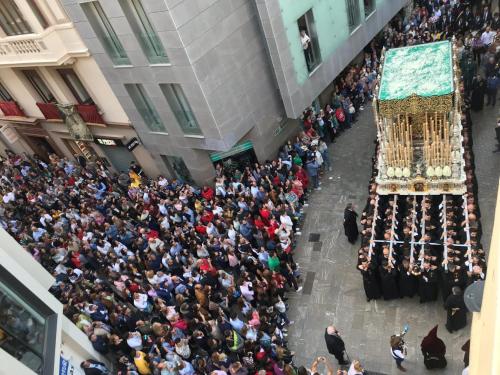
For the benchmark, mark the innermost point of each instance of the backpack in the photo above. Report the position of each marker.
(339, 114)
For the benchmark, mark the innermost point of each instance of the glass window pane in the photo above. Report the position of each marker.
(144, 30)
(76, 86)
(22, 329)
(38, 13)
(4, 94)
(369, 7)
(12, 20)
(145, 107)
(105, 32)
(180, 107)
(353, 15)
(39, 85)
(177, 168)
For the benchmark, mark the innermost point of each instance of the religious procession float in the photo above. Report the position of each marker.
(421, 216)
(418, 117)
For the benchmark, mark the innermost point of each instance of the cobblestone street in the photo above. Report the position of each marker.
(333, 289)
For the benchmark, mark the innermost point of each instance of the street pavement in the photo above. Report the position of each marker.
(332, 286)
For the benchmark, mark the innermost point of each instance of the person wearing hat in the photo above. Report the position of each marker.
(433, 350)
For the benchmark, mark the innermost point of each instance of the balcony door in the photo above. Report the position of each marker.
(40, 87)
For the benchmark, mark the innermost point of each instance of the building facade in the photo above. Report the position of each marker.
(185, 84)
(44, 64)
(35, 336)
(338, 31)
(219, 80)
(485, 333)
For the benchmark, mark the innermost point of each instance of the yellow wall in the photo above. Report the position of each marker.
(485, 335)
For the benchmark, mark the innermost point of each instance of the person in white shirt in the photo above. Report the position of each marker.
(306, 46)
(286, 221)
(488, 37)
(398, 351)
(141, 301)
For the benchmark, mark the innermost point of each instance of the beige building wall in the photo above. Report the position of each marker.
(59, 46)
(485, 335)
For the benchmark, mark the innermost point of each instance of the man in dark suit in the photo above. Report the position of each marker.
(335, 344)
(486, 16)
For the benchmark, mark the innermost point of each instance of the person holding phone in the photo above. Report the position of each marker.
(324, 361)
(398, 351)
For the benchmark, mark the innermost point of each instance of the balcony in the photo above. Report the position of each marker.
(88, 112)
(10, 109)
(49, 111)
(54, 46)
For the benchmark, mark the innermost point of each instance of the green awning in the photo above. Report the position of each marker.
(216, 156)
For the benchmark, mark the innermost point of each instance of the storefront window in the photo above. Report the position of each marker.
(27, 325)
(177, 168)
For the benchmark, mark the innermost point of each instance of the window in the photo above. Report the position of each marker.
(309, 40)
(177, 168)
(4, 94)
(76, 86)
(38, 13)
(39, 85)
(27, 325)
(105, 32)
(12, 20)
(180, 107)
(369, 7)
(353, 17)
(144, 30)
(145, 107)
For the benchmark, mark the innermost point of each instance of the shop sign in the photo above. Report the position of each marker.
(108, 141)
(9, 134)
(242, 147)
(132, 144)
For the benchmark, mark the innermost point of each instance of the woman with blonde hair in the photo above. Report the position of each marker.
(356, 368)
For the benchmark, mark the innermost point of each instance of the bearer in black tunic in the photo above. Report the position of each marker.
(428, 283)
(408, 282)
(457, 312)
(370, 280)
(388, 276)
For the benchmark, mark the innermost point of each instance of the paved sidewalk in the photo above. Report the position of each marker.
(333, 288)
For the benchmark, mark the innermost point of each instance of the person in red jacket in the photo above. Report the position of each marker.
(302, 176)
(207, 193)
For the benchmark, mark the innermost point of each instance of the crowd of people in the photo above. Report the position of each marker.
(166, 277)
(170, 278)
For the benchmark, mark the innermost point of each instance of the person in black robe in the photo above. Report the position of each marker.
(370, 282)
(408, 282)
(335, 344)
(350, 224)
(456, 310)
(428, 283)
(454, 276)
(388, 276)
(433, 350)
(478, 91)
